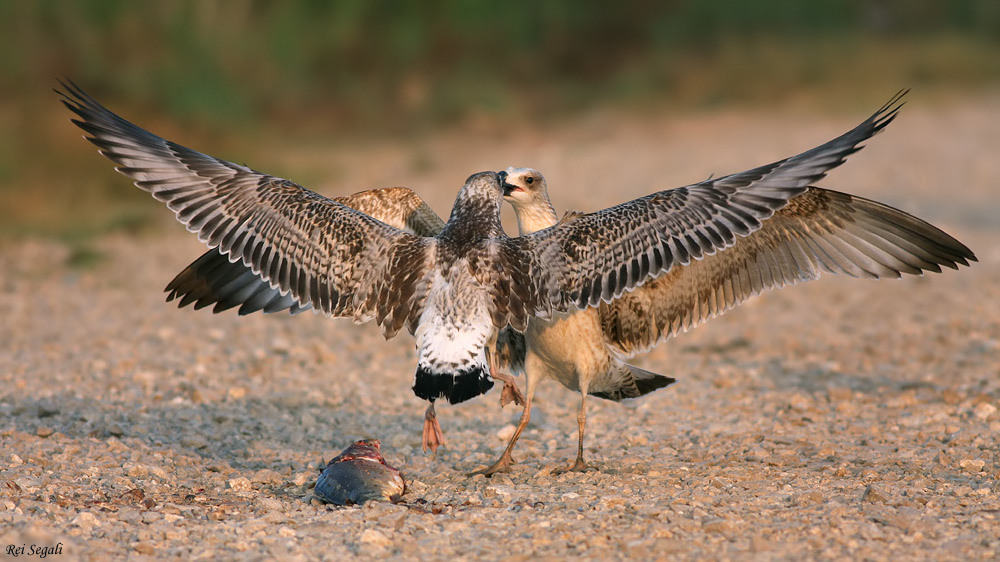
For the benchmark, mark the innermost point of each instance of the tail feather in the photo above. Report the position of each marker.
(634, 382)
(648, 381)
(456, 387)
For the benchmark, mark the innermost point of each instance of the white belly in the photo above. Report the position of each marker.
(455, 326)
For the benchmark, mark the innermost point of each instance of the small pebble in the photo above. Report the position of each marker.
(972, 465)
(240, 484)
(984, 410)
(375, 537)
(506, 432)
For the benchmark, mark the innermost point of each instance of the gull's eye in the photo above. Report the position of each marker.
(529, 180)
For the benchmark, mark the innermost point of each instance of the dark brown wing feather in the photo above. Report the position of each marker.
(321, 252)
(818, 231)
(598, 256)
(213, 279)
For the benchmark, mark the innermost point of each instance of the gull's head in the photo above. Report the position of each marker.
(478, 203)
(523, 186)
(483, 186)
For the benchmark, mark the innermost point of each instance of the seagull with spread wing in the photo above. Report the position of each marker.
(819, 230)
(213, 279)
(378, 255)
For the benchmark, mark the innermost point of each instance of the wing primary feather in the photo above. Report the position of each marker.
(265, 223)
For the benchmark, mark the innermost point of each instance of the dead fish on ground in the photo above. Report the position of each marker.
(360, 474)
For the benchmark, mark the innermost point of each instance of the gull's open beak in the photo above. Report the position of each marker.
(507, 187)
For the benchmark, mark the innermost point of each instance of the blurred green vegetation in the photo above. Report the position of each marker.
(381, 67)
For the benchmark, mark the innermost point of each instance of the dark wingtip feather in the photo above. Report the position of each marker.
(888, 112)
(75, 99)
(655, 383)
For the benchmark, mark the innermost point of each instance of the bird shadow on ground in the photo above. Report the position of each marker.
(243, 433)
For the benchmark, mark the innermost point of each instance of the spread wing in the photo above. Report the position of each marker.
(599, 256)
(213, 279)
(321, 252)
(818, 231)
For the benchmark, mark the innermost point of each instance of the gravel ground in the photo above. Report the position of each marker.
(841, 419)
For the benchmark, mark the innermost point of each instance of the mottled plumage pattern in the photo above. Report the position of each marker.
(819, 231)
(213, 279)
(816, 230)
(598, 256)
(322, 253)
(457, 290)
(573, 347)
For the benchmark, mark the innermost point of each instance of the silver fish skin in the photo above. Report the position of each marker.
(360, 474)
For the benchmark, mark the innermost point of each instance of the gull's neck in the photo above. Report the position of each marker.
(473, 219)
(535, 217)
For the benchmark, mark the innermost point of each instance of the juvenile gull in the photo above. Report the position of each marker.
(456, 290)
(213, 279)
(303, 250)
(818, 230)
(579, 349)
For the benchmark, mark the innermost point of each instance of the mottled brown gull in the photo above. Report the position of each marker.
(819, 230)
(304, 250)
(214, 280)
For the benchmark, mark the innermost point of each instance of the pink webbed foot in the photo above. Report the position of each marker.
(433, 437)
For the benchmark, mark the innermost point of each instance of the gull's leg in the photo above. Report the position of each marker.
(581, 419)
(506, 459)
(433, 437)
(503, 463)
(510, 392)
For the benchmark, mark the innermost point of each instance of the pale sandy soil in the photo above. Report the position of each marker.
(841, 419)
